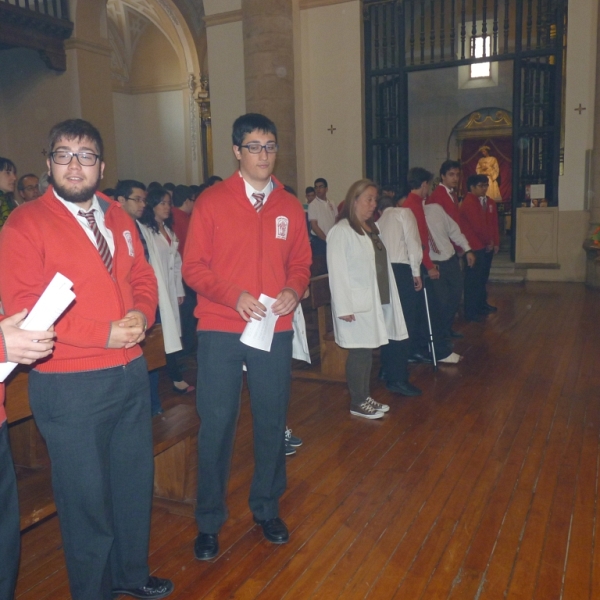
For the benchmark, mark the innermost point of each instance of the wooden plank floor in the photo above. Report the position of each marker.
(485, 487)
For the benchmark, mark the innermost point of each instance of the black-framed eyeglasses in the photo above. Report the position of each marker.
(64, 157)
(256, 148)
(138, 200)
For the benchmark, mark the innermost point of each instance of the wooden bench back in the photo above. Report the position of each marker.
(320, 294)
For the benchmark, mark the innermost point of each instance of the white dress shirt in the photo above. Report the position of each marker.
(443, 230)
(323, 212)
(98, 215)
(250, 190)
(400, 234)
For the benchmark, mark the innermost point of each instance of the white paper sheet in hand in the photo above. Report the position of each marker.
(259, 334)
(50, 305)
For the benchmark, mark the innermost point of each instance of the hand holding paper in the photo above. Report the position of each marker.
(50, 305)
(259, 334)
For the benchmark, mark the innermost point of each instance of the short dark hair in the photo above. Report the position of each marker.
(309, 190)
(110, 192)
(212, 180)
(181, 193)
(125, 187)
(250, 122)
(201, 188)
(75, 129)
(321, 180)
(155, 195)
(169, 186)
(474, 180)
(385, 202)
(153, 185)
(417, 176)
(7, 165)
(447, 165)
(195, 189)
(20, 185)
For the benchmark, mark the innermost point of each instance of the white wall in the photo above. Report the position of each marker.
(332, 95)
(150, 137)
(436, 104)
(227, 90)
(580, 89)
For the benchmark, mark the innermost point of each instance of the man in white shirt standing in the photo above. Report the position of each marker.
(400, 234)
(447, 290)
(321, 216)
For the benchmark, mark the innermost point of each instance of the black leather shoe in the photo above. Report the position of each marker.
(456, 334)
(274, 530)
(154, 588)
(417, 357)
(403, 387)
(206, 546)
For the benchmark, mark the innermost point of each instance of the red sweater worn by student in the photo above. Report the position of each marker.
(449, 202)
(3, 358)
(479, 224)
(231, 249)
(415, 203)
(41, 238)
(181, 224)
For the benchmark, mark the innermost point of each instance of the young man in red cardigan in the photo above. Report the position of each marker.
(90, 399)
(247, 236)
(479, 223)
(25, 347)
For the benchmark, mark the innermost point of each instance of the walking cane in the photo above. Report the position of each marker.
(432, 347)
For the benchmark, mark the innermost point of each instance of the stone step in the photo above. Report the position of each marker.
(507, 278)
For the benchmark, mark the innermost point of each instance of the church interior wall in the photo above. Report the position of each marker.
(32, 99)
(227, 89)
(436, 105)
(331, 41)
(149, 113)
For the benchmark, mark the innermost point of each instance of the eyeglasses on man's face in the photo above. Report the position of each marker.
(138, 200)
(64, 157)
(256, 148)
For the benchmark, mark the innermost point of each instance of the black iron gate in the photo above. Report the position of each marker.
(403, 36)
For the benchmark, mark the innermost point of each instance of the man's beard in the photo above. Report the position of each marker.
(82, 195)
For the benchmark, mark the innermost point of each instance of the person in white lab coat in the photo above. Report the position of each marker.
(155, 225)
(364, 299)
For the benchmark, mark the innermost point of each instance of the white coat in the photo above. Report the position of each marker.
(166, 262)
(354, 291)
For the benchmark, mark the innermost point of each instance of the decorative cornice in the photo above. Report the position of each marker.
(232, 16)
(150, 89)
(79, 44)
(305, 4)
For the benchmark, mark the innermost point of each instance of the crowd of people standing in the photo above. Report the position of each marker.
(199, 260)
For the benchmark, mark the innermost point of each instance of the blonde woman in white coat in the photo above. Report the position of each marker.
(155, 225)
(364, 299)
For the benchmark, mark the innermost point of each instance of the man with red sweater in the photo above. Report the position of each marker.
(479, 223)
(247, 236)
(90, 398)
(25, 347)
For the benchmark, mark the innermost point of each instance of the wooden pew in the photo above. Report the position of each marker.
(332, 364)
(174, 435)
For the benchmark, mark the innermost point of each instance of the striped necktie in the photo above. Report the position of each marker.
(258, 197)
(103, 248)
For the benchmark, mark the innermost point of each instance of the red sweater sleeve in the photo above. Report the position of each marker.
(492, 215)
(416, 205)
(198, 257)
(473, 222)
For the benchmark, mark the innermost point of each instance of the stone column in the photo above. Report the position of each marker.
(267, 27)
(593, 256)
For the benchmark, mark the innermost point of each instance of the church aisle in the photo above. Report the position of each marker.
(484, 487)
